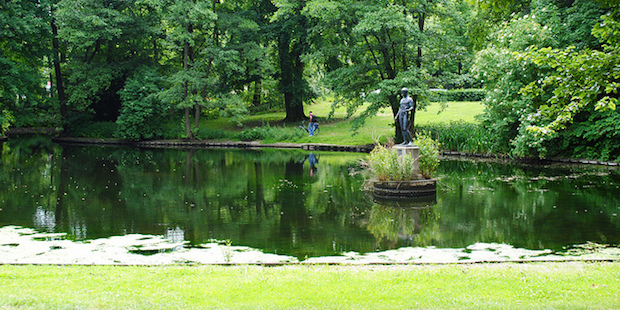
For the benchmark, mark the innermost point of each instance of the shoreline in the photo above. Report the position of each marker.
(366, 148)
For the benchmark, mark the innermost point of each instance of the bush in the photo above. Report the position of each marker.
(205, 133)
(98, 130)
(6, 119)
(472, 94)
(462, 137)
(270, 133)
(142, 112)
(429, 154)
(385, 165)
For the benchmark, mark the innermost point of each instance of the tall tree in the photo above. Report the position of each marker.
(105, 43)
(24, 38)
(380, 51)
(189, 25)
(291, 35)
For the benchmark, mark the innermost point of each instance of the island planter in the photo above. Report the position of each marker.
(416, 188)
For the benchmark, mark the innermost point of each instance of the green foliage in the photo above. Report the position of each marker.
(537, 85)
(596, 137)
(206, 133)
(384, 164)
(504, 75)
(463, 137)
(95, 130)
(6, 119)
(429, 154)
(470, 94)
(24, 44)
(142, 112)
(104, 43)
(572, 24)
(581, 81)
(38, 115)
(270, 133)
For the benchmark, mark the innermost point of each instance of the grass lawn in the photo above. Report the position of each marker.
(571, 285)
(338, 129)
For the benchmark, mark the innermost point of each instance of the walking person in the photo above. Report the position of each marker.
(311, 124)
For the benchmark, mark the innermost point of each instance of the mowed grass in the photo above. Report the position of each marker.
(483, 286)
(338, 129)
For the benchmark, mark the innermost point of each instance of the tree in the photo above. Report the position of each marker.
(189, 25)
(377, 51)
(290, 31)
(526, 69)
(24, 34)
(105, 42)
(582, 81)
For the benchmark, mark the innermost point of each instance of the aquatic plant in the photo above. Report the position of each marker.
(385, 165)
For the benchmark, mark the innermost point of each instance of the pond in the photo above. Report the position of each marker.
(289, 206)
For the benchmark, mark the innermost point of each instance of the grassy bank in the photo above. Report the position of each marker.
(484, 286)
(337, 129)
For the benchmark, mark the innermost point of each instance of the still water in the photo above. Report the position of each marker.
(297, 203)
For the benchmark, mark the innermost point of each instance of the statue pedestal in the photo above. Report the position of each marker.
(413, 151)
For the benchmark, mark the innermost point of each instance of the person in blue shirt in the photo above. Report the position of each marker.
(311, 124)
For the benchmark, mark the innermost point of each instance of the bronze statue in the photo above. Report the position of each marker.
(406, 105)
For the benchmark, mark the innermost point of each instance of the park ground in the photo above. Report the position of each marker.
(337, 128)
(540, 285)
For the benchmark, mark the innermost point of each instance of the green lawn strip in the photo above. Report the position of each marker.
(338, 130)
(480, 286)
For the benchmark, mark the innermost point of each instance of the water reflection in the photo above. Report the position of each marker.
(285, 202)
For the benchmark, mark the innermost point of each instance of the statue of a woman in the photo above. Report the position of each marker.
(406, 105)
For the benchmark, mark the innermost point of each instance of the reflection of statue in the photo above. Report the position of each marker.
(406, 105)
(394, 224)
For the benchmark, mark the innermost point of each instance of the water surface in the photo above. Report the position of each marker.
(297, 203)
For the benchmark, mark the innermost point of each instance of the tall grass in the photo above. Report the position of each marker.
(271, 134)
(385, 164)
(462, 137)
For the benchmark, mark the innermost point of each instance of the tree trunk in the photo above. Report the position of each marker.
(256, 100)
(188, 125)
(196, 116)
(291, 77)
(57, 58)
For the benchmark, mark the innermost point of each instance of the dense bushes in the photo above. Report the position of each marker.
(443, 95)
(95, 130)
(270, 133)
(142, 113)
(463, 137)
(384, 164)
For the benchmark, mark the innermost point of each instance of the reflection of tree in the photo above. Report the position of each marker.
(264, 199)
(28, 170)
(391, 224)
(528, 206)
(293, 211)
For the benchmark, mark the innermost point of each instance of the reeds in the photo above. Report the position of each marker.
(462, 137)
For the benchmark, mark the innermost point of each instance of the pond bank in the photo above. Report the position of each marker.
(180, 143)
(304, 146)
(216, 144)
